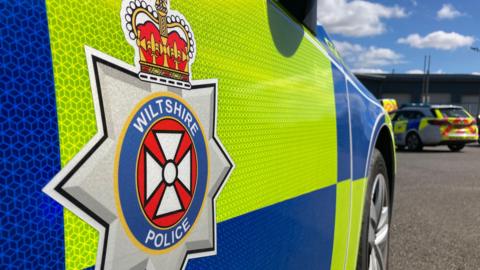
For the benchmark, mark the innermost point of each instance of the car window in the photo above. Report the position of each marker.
(454, 112)
(412, 115)
(408, 115)
(417, 115)
(400, 116)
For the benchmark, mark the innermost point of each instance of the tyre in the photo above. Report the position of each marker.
(456, 147)
(375, 232)
(413, 142)
(400, 147)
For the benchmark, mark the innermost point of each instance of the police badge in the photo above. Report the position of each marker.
(149, 178)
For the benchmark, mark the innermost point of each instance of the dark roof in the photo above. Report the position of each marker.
(418, 77)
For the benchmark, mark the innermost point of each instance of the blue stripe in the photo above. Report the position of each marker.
(413, 124)
(363, 89)
(31, 224)
(323, 37)
(294, 234)
(363, 116)
(343, 132)
(376, 132)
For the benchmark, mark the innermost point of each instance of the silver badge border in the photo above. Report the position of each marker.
(56, 187)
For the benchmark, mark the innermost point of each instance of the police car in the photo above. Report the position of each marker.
(155, 134)
(418, 125)
(478, 121)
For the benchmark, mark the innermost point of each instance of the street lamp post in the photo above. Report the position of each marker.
(426, 79)
(477, 50)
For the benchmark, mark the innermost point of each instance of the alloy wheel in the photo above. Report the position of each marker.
(413, 142)
(378, 228)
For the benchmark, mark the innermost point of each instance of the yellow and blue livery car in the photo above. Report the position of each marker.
(155, 134)
(418, 125)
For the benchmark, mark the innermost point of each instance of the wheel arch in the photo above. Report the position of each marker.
(410, 132)
(385, 144)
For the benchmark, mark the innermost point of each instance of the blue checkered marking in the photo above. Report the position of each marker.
(413, 124)
(364, 115)
(294, 234)
(31, 223)
(343, 126)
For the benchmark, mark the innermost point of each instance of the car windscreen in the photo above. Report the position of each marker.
(454, 112)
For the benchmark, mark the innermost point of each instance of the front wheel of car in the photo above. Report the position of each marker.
(375, 232)
(456, 147)
(413, 142)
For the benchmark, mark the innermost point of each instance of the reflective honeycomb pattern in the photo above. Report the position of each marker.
(276, 104)
(74, 24)
(80, 242)
(31, 223)
(266, 94)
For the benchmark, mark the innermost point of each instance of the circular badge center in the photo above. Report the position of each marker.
(162, 172)
(167, 173)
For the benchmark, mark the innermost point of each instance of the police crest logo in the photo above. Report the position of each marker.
(149, 178)
(166, 145)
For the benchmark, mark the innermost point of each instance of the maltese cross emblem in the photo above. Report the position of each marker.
(148, 180)
(166, 179)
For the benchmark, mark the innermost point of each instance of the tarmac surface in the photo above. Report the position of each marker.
(436, 214)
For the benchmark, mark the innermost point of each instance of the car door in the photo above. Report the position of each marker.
(274, 100)
(400, 122)
(414, 120)
(292, 217)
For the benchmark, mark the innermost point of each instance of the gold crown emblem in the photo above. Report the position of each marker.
(164, 42)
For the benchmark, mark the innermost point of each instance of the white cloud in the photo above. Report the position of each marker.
(438, 40)
(415, 71)
(448, 12)
(367, 59)
(476, 73)
(368, 70)
(374, 56)
(348, 49)
(419, 71)
(358, 18)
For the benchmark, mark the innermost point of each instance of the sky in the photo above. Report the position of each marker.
(385, 36)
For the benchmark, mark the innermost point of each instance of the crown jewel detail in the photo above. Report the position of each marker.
(163, 40)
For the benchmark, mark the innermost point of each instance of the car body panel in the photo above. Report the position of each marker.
(298, 125)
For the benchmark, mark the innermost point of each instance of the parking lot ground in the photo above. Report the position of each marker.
(436, 218)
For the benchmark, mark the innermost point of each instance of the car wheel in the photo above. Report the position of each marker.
(400, 147)
(375, 232)
(456, 147)
(413, 142)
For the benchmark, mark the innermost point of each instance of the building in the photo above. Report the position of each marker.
(456, 89)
